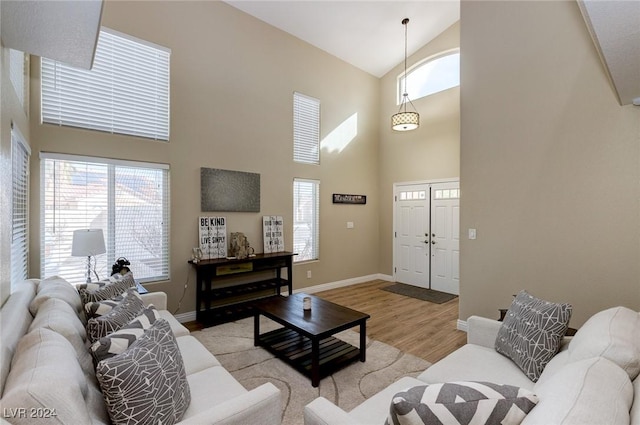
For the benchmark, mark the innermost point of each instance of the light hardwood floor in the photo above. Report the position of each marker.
(421, 328)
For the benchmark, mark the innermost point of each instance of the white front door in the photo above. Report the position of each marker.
(411, 237)
(445, 237)
(427, 235)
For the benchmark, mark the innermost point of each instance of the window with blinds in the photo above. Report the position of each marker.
(20, 154)
(128, 200)
(306, 129)
(126, 91)
(306, 219)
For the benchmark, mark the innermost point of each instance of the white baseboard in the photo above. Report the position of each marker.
(190, 316)
(462, 325)
(343, 283)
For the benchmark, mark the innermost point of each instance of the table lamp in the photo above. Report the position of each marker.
(87, 243)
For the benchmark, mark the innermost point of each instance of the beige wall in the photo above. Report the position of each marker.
(430, 152)
(549, 164)
(10, 111)
(232, 83)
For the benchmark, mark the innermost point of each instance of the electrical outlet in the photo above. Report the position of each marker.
(349, 224)
(308, 274)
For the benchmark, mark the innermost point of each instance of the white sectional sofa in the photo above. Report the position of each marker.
(592, 380)
(56, 383)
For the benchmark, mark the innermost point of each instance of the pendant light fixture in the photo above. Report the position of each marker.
(405, 120)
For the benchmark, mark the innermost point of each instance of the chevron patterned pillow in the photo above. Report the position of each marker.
(117, 342)
(455, 403)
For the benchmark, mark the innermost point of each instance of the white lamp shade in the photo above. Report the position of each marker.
(87, 242)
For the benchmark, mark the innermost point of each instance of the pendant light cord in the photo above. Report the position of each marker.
(405, 95)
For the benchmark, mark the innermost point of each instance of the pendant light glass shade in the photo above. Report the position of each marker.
(405, 120)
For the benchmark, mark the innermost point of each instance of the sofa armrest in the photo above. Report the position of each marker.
(158, 299)
(261, 405)
(322, 412)
(482, 331)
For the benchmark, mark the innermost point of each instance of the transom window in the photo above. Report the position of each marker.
(432, 75)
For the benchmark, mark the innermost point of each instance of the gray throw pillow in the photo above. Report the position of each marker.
(146, 384)
(128, 309)
(120, 340)
(459, 402)
(531, 332)
(105, 290)
(100, 308)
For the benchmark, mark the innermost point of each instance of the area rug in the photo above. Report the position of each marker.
(232, 344)
(423, 294)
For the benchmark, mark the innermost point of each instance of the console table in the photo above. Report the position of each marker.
(219, 299)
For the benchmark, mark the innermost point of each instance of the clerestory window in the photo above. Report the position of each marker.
(432, 75)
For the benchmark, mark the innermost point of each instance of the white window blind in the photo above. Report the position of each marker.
(126, 91)
(128, 200)
(306, 129)
(17, 74)
(20, 154)
(306, 219)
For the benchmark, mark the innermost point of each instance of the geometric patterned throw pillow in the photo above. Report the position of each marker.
(105, 290)
(531, 332)
(146, 384)
(127, 310)
(117, 342)
(461, 403)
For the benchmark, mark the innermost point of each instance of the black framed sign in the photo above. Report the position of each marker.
(340, 198)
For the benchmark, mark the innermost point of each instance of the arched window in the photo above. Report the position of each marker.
(432, 75)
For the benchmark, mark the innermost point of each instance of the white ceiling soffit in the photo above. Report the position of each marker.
(62, 30)
(366, 34)
(615, 28)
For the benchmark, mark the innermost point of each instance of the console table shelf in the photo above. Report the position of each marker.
(218, 302)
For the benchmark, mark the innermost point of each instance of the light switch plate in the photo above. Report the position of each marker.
(472, 233)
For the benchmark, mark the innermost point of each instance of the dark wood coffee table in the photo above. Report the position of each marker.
(306, 341)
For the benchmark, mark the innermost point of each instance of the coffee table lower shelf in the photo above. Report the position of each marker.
(295, 349)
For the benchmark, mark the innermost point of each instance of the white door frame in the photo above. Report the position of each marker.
(393, 194)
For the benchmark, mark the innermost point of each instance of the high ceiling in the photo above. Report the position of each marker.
(369, 35)
(366, 34)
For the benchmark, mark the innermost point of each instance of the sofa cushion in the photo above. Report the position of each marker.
(591, 391)
(473, 362)
(119, 341)
(204, 395)
(15, 320)
(45, 377)
(613, 334)
(106, 289)
(128, 309)
(531, 332)
(461, 403)
(58, 316)
(55, 287)
(635, 409)
(196, 357)
(375, 409)
(147, 383)
(177, 328)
